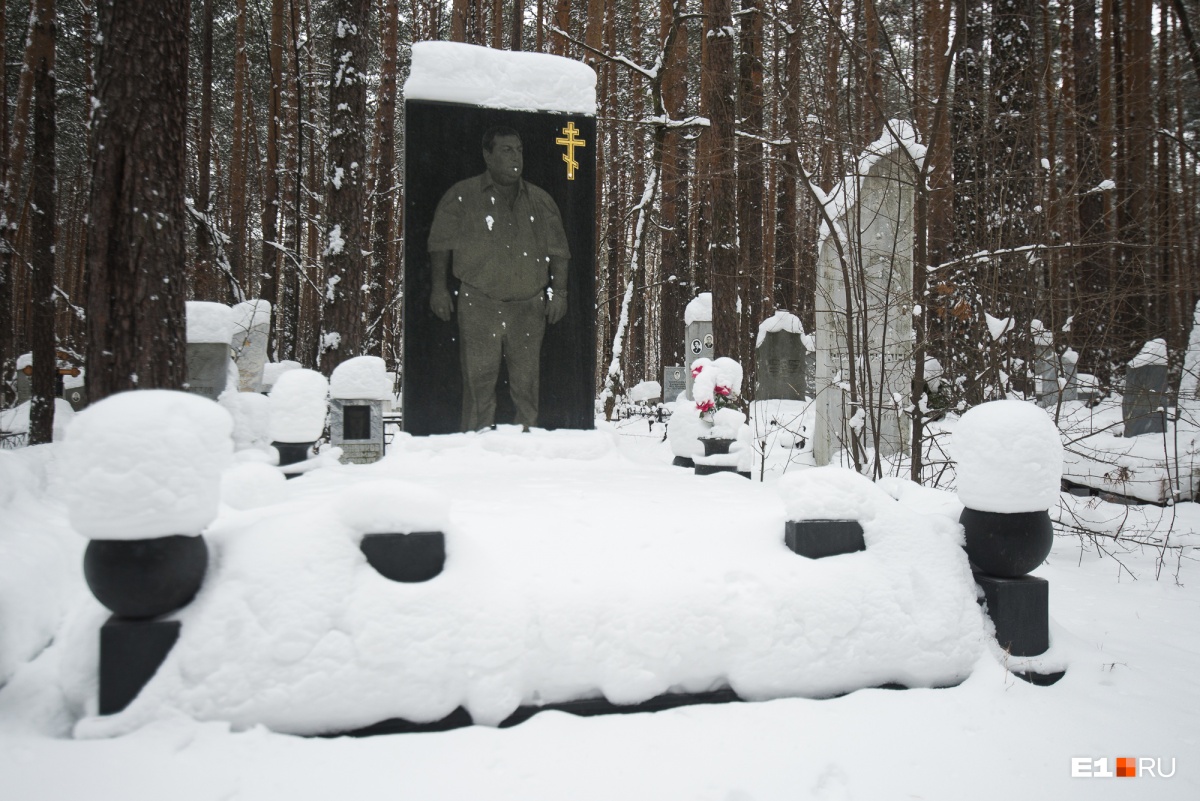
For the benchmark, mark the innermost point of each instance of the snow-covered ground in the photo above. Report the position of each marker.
(1123, 623)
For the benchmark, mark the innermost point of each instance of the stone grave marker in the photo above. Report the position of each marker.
(674, 382)
(357, 391)
(1189, 381)
(456, 96)
(872, 241)
(251, 330)
(782, 352)
(24, 379)
(1144, 404)
(698, 334)
(209, 326)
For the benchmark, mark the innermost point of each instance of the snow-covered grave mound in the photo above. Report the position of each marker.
(571, 572)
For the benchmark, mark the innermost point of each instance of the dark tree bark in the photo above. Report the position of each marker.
(205, 284)
(383, 278)
(6, 324)
(347, 233)
(43, 225)
(676, 286)
(268, 287)
(751, 190)
(136, 247)
(722, 184)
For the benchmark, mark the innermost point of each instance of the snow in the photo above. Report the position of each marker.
(784, 321)
(1009, 458)
(23, 361)
(209, 323)
(360, 378)
(16, 419)
(1153, 352)
(998, 326)
(272, 371)
(645, 391)
(298, 406)
(251, 415)
(247, 314)
(144, 464)
(452, 72)
(587, 550)
(699, 309)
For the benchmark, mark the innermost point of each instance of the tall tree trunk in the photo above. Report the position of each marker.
(347, 235)
(676, 289)
(205, 283)
(1134, 221)
(722, 186)
(136, 241)
(750, 178)
(237, 157)
(1091, 274)
(7, 355)
(268, 288)
(382, 280)
(43, 226)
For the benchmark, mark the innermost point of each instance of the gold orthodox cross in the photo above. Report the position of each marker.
(571, 143)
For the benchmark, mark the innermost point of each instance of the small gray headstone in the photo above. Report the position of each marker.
(356, 426)
(1145, 400)
(674, 382)
(76, 396)
(207, 368)
(251, 331)
(24, 387)
(1045, 370)
(698, 344)
(781, 372)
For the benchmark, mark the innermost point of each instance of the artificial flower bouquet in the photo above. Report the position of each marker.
(717, 388)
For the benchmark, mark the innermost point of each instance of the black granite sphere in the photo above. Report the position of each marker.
(145, 578)
(1007, 544)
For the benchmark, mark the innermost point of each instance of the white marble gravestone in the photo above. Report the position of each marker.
(251, 330)
(1189, 382)
(870, 247)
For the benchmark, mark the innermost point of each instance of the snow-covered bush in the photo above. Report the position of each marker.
(145, 464)
(717, 388)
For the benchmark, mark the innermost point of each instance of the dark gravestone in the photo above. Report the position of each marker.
(781, 367)
(1145, 401)
(443, 143)
(131, 652)
(207, 368)
(1020, 608)
(356, 423)
(817, 539)
(408, 557)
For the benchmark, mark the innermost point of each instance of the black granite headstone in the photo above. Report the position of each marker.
(1145, 400)
(443, 143)
(817, 539)
(408, 557)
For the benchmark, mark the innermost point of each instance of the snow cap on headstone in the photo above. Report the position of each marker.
(360, 378)
(1009, 457)
(830, 493)
(299, 403)
(453, 72)
(272, 371)
(387, 507)
(1153, 352)
(209, 323)
(783, 320)
(145, 464)
(699, 309)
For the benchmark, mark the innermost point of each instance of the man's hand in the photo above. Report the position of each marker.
(556, 306)
(441, 303)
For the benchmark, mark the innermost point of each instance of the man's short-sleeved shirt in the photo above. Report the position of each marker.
(504, 252)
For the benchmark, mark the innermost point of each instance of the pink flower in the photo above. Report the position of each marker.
(722, 390)
(705, 406)
(697, 370)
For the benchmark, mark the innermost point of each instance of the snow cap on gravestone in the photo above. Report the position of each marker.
(145, 463)
(209, 323)
(394, 507)
(831, 493)
(1009, 458)
(699, 309)
(360, 378)
(299, 403)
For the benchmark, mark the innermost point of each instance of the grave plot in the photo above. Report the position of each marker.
(570, 573)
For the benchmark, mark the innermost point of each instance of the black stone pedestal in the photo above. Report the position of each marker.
(413, 557)
(130, 654)
(819, 538)
(1020, 608)
(710, 469)
(683, 461)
